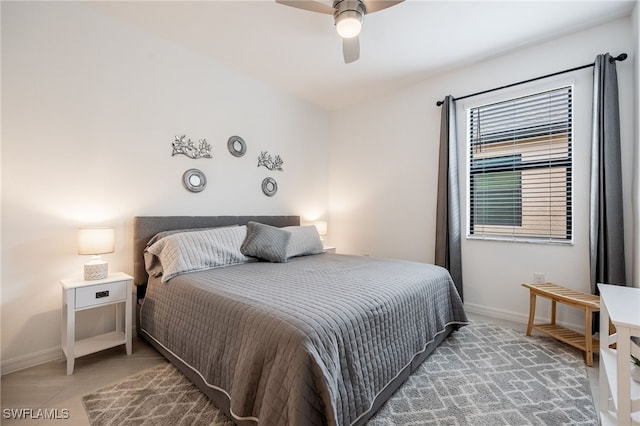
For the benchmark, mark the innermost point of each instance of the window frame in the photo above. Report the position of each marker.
(570, 175)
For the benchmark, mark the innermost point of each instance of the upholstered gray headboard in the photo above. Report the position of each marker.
(145, 227)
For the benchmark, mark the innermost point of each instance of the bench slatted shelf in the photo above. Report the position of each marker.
(558, 294)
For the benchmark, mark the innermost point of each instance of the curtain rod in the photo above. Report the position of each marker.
(621, 57)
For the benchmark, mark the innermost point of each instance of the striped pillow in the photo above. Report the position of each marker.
(199, 250)
(304, 240)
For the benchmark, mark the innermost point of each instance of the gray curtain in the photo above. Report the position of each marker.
(448, 253)
(606, 236)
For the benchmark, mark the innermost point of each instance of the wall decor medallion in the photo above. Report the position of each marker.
(271, 163)
(236, 146)
(182, 145)
(194, 180)
(269, 186)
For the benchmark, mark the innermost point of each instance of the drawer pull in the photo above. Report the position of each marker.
(101, 294)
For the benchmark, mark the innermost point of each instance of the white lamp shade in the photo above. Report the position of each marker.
(95, 240)
(349, 24)
(321, 225)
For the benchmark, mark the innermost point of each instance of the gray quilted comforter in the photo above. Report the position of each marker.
(309, 342)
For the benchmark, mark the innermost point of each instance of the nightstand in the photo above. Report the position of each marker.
(79, 295)
(329, 249)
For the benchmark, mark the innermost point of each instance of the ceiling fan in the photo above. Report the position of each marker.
(348, 15)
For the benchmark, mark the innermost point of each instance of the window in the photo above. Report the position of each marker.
(520, 168)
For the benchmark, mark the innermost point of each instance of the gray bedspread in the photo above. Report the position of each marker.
(309, 342)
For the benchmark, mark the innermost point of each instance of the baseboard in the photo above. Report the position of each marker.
(515, 316)
(35, 359)
(31, 360)
(496, 313)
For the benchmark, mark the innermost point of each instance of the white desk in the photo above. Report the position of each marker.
(622, 306)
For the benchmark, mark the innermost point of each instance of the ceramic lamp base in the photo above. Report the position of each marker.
(95, 270)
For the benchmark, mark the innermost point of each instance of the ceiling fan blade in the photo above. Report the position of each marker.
(376, 5)
(312, 6)
(350, 49)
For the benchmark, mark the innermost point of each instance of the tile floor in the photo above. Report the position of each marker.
(48, 386)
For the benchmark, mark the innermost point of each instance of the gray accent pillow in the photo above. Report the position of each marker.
(304, 240)
(266, 242)
(199, 250)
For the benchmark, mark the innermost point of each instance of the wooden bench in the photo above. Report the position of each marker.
(558, 294)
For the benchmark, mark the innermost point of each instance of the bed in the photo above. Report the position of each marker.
(304, 339)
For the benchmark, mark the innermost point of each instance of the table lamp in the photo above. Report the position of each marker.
(95, 241)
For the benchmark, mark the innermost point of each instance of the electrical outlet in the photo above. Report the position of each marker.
(538, 278)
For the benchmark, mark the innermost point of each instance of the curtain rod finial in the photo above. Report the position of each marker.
(621, 57)
(439, 103)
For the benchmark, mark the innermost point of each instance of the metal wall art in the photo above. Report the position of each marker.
(194, 180)
(270, 163)
(269, 186)
(236, 146)
(182, 145)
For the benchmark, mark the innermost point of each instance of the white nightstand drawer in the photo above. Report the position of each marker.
(101, 294)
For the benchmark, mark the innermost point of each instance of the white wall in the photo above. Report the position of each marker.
(90, 108)
(383, 172)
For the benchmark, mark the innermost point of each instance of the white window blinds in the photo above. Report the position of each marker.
(520, 168)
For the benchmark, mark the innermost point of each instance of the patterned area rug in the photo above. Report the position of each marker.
(481, 375)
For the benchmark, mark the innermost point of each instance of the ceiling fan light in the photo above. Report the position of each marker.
(349, 23)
